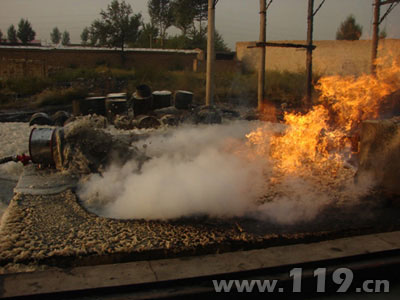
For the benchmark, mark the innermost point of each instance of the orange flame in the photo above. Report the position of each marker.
(313, 143)
(357, 99)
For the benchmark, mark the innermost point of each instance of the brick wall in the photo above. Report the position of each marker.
(17, 61)
(330, 57)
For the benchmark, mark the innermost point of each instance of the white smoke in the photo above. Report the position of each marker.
(189, 173)
(300, 202)
(201, 170)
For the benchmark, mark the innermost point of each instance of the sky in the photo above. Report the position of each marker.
(236, 20)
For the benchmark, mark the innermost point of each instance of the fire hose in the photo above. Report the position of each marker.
(24, 159)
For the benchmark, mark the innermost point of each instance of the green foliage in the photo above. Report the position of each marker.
(178, 42)
(235, 87)
(98, 34)
(85, 36)
(25, 32)
(148, 36)
(285, 86)
(220, 44)
(71, 74)
(12, 34)
(198, 39)
(349, 30)
(59, 97)
(1, 35)
(193, 40)
(231, 86)
(382, 34)
(161, 16)
(26, 86)
(117, 26)
(201, 11)
(55, 35)
(65, 38)
(183, 12)
(122, 74)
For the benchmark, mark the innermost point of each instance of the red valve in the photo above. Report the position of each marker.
(24, 159)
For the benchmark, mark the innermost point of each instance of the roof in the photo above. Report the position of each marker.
(81, 48)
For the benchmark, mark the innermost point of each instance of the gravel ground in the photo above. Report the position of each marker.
(53, 228)
(45, 231)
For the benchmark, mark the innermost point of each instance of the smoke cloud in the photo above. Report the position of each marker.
(190, 172)
(206, 169)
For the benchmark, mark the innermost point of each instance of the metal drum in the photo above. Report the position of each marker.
(183, 99)
(116, 104)
(41, 143)
(60, 117)
(89, 105)
(40, 119)
(95, 105)
(142, 100)
(161, 99)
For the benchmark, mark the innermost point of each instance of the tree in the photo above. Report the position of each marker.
(184, 13)
(382, 34)
(220, 44)
(201, 12)
(148, 34)
(98, 34)
(161, 16)
(196, 39)
(65, 38)
(55, 35)
(12, 34)
(117, 26)
(25, 32)
(85, 36)
(349, 30)
(1, 35)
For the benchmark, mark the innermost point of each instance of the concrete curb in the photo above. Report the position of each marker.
(144, 272)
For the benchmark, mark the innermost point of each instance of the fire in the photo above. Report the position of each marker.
(316, 144)
(304, 141)
(355, 99)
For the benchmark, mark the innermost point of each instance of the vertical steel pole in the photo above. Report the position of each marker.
(210, 54)
(375, 35)
(261, 67)
(310, 24)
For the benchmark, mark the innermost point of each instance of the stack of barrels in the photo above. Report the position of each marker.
(140, 105)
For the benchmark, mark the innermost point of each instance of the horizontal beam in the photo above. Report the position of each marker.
(281, 45)
(389, 2)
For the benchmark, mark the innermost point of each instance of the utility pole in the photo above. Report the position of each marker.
(375, 31)
(310, 25)
(210, 53)
(375, 35)
(261, 68)
(308, 46)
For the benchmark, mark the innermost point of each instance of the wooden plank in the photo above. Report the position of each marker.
(282, 45)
